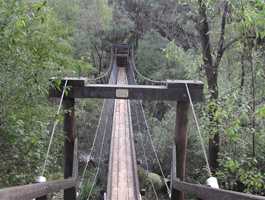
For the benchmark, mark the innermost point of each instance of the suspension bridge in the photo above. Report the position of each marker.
(122, 130)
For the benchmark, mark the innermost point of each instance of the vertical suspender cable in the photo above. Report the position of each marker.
(154, 150)
(144, 153)
(93, 145)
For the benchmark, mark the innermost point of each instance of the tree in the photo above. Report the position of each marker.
(211, 64)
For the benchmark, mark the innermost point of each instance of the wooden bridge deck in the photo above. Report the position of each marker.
(122, 177)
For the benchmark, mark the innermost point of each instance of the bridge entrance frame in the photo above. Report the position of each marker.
(173, 90)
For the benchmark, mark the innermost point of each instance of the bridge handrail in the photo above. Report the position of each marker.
(208, 193)
(31, 191)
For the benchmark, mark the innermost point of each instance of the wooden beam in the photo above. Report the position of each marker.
(208, 193)
(173, 91)
(69, 143)
(36, 190)
(181, 143)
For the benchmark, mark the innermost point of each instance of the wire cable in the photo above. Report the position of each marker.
(154, 150)
(53, 129)
(148, 130)
(93, 145)
(199, 132)
(100, 159)
(107, 73)
(156, 82)
(144, 152)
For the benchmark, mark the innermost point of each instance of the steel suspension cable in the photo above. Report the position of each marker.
(144, 152)
(100, 159)
(143, 76)
(146, 78)
(106, 73)
(53, 129)
(148, 131)
(155, 152)
(93, 145)
(102, 76)
(199, 132)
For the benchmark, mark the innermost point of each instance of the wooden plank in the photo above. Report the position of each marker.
(181, 142)
(171, 92)
(32, 191)
(208, 193)
(122, 170)
(69, 121)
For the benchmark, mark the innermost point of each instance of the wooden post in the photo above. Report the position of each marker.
(69, 143)
(181, 144)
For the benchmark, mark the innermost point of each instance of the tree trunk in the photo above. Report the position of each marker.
(211, 70)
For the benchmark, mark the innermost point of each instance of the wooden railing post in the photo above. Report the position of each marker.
(69, 143)
(181, 144)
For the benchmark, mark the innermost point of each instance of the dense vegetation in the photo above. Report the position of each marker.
(221, 43)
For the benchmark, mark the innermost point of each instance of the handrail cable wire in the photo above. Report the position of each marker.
(144, 153)
(93, 145)
(53, 129)
(154, 150)
(100, 159)
(102, 76)
(107, 73)
(146, 78)
(143, 76)
(199, 132)
(142, 144)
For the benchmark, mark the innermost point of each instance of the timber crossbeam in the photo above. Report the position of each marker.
(208, 193)
(33, 191)
(172, 91)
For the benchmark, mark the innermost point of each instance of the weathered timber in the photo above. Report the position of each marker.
(75, 161)
(69, 143)
(208, 193)
(173, 174)
(181, 128)
(173, 91)
(36, 190)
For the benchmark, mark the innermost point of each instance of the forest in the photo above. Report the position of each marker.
(219, 42)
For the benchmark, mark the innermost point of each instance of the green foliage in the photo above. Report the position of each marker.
(161, 59)
(86, 188)
(241, 175)
(261, 112)
(34, 47)
(254, 16)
